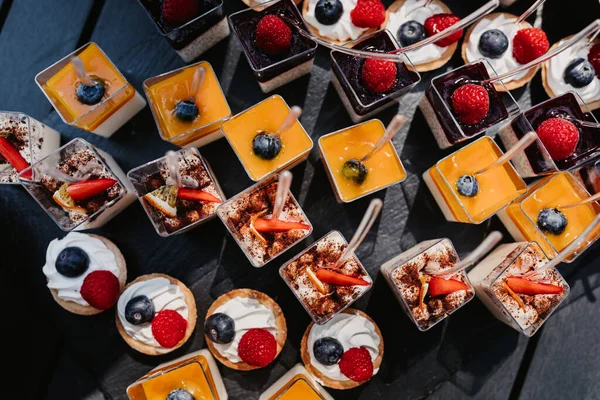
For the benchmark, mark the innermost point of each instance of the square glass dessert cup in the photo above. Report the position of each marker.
(535, 160)
(138, 177)
(274, 71)
(589, 175)
(521, 216)
(498, 186)
(30, 138)
(296, 384)
(165, 91)
(56, 212)
(299, 283)
(194, 37)
(420, 254)
(488, 278)
(268, 115)
(360, 102)
(120, 103)
(384, 167)
(436, 105)
(229, 208)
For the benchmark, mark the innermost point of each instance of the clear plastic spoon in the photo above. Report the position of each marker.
(197, 81)
(283, 189)
(292, 117)
(80, 71)
(172, 161)
(521, 145)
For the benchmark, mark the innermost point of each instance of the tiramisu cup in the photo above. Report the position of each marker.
(245, 329)
(156, 314)
(296, 384)
(345, 352)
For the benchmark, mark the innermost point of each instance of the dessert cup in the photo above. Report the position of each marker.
(118, 105)
(589, 175)
(296, 384)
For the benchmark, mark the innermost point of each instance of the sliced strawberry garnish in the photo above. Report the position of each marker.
(335, 278)
(525, 286)
(441, 286)
(197, 195)
(90, 188)
(271, 225)
(12, 155)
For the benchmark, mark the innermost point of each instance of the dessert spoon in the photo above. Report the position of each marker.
(80, 72)
(294, 114)
(197, 81)
(521, 145)
(172, 161)
(527, 13)
(283, 188)
(587, 124)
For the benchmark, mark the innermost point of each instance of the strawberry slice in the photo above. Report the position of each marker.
(525, 286)
(440, 286)
(197, 195)
(12, 155)
(270, 225)
(86, 189)
(335, 278)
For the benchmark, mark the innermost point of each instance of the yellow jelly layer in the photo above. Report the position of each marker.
(298, 388)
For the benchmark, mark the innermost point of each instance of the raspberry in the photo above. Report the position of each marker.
(100, 289)
(368, 14)
(168, 328)
(378, 76)
(559, 136)
(178, 12)
(529, 44)
(594, 58)
(471, 103)
(257, 347)
(273, 35)
(356, 364)
(439, 22)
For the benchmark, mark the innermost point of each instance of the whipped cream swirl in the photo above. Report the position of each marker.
(101, 258)
(163, 294)
(247, 314)
(351, 331)
(343, 30)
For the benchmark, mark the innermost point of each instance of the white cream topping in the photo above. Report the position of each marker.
(343, 30)
(351, 331)
(556, 67)
(163, 294)
(101, 258)
(247, 314)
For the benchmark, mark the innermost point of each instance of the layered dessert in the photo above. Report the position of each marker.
(185, 118)
(468, 198)
(245, 329)
(85, 273)
(368, 86)
(457, 107)
(176, 209)
(23, 141)
(524, 304)
(296, 384)
(382, 170)
(425, 297)
(100, 106)
(190, 26)
(322, 289)
(345, 352)
(275, 50)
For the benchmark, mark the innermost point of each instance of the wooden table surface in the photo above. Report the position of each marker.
(57, 355)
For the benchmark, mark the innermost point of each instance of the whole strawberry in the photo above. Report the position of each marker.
(471, 103)
(379, 76)
(559, 136)
(257, 347)
(356, 364)
(439, 22)
(273, 35)
(100, 289)
(529, 44)
(368, 14)
(594, 58)
(179, 12)
(168, 328)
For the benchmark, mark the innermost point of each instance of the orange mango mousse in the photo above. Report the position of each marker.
(497, 187)
(298, 388)
(165, 94)
(62, 87)
(384, 167)
(267, 115)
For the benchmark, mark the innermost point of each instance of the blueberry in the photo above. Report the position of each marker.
(72, 262)
(186, 111)
(411, 32)
(90, 94)
(219, 328)
(139, 310)
(579, 73)
(328, 12)
(493, 43)
(552, 221)
(180, 394)
(266, 146)
(328, 350)
(467, 185)
(355, 171)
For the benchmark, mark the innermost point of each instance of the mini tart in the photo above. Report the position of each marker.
(89, 310)
(432, 65)
(514, 84)
(266, 301)
(326, 381)
(191, 319)
(594, 105)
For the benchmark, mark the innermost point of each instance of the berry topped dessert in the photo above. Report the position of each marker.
(345, 352)
(245, 329)
(296, 384)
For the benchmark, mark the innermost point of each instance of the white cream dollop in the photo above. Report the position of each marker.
(247, 313)
(101, 258)
(351, 331)
(343, 30)
(163, 294)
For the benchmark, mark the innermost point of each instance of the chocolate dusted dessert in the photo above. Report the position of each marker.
(15, 131)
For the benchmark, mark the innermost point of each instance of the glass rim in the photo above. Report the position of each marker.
(29, 144)
(305, 380)
(164, 33)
